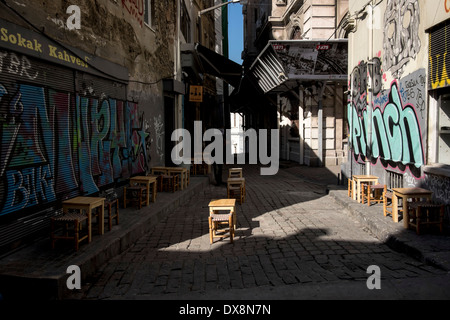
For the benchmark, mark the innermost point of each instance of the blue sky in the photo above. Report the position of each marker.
(235, 32)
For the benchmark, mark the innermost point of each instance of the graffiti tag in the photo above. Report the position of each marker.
(396, 136)
(57, 144)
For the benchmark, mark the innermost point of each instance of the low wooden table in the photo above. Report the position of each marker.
(87, 204)
(405, 194)
(147, 181)
(225, 205)
(357, 184)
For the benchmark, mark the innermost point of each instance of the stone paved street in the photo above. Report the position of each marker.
(290, 233)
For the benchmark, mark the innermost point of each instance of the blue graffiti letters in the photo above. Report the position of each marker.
(57, 144)
(396, 134)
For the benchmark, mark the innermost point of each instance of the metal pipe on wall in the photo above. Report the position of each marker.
(369, 93)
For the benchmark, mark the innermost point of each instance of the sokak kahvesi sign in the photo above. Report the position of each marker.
(17, 39)
(28, 42)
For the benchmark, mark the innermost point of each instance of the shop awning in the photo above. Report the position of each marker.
(246, 95)
(199, 59)
(284, 65)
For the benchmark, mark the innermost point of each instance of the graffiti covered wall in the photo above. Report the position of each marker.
(393, 82)
(57, 144)
(398, 122)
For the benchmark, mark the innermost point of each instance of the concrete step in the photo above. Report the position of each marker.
(38, 272)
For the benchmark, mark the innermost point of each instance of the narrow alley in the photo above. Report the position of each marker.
(291, 238)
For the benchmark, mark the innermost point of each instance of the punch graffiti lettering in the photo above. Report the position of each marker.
(396, 134)
(57, 144)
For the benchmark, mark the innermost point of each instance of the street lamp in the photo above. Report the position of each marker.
(217, 6)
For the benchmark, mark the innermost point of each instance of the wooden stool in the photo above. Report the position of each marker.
(350, 188)
(108, 208)
(373, 193)
(235, 173)
(423, 213)
(170, 182)
(351, 185)
(111, 202)
(236, 189)
(387, 202)
(138, 195)
(68, 220)
(217, 220)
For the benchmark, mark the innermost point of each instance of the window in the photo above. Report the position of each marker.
(149, 13)
(185, 23)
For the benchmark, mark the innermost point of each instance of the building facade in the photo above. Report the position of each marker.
(296, 52)
(398, 106)
(83, 98)
(90, 94)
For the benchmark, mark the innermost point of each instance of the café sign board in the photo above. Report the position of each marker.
(28, 42)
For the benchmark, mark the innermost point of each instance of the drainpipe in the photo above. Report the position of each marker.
(350, 135)
(369, 94)
(301, 123)
(320, 122)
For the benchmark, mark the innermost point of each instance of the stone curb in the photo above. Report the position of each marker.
(424, 248)
(50, 282)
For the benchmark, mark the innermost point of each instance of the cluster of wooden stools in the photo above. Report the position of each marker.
(71, 217)
(416, 205)
(222, 212)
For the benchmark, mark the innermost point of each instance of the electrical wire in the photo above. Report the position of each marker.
(75, 54)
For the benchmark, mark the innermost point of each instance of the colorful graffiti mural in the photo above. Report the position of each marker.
(56, 145)
(401, 41)
(397, 121)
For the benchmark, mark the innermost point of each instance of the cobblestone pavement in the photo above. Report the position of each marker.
(289, 233)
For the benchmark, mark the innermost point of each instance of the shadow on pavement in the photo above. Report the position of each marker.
(289, 233)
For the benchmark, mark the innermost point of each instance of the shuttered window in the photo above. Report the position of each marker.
(63, 133)
(439, 59)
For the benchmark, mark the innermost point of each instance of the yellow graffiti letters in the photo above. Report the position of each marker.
(18, 39)
(63, 55)
(439, 78)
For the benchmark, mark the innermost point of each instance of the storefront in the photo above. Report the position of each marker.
(66, 129)
(398, 104)
(201, 67)
(437, 173)
(308, 79)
